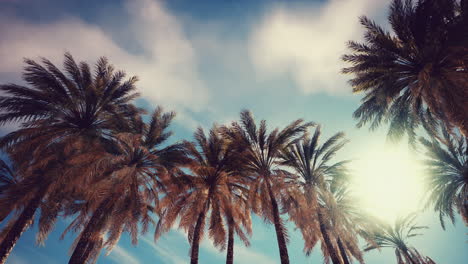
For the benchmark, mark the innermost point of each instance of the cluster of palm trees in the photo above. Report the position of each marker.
(83, 150)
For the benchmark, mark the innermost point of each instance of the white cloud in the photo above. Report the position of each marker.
(15, 259)
(122, 256)
(163, 249)
(307, 43)
(243, 254)
(166, 66)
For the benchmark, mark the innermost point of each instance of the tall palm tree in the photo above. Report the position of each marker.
(396, 236)
(347, 220)
(75, 111)
(311, 161)
(237, 220)
(126, 193)
(261, 154)
(447, 173)
(208, 194)
(422, 65)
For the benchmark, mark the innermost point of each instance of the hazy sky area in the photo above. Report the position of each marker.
(207, 60)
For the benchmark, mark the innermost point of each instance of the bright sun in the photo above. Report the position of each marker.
(388, 181)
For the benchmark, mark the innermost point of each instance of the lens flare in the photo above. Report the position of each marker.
(388, 181)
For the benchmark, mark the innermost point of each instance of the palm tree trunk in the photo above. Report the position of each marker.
(344, 256)
(326, 239)
(283, 249)
(230, 246)
(20, 225)
(196, 237)
(408, 255)
(82, 249)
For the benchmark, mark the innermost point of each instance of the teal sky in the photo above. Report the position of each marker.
(207, 60)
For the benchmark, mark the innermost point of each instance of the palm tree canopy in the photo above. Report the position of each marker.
(214, 185)
(311, 160)
(262, 149)
(394, 236)
(130, 176)
(447, 174)
(56, 105)
(420, 66)
(61, 115)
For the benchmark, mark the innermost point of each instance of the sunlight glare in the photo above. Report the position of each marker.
(387, 181)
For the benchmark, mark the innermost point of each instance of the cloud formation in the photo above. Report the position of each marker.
(166, 64)
(307, 43)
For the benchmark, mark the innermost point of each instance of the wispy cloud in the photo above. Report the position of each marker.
(164, 250)
(122, 256)
(15, 259)
(307, 42)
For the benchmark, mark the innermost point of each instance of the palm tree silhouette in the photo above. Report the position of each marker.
(125, 194)
(61, 115)
(208, 194)
(447, 172)
(421, 66)
(311, 161)
(396, 237)
(261, 151)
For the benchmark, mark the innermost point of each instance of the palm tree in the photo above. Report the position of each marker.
(261, 154)
(73, 111)
(311, 161)
(125, 195)
(422, 65)
(447, 173)
(347, 221)
(208, 194)
(396, 236)
(237, 219)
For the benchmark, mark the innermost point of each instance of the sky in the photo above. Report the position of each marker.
(208, 60)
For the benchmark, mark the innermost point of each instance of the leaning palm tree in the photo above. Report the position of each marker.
(126, 186)
(208, 194)
(261, 154)
(422, 65)
(396, 236)
(73, 111)
(447, 173)
(311, 161)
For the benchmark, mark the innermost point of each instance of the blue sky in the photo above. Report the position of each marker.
(207, 60)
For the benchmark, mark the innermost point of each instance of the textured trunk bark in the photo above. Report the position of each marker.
(230, 246)
(21, 224)
(323, 229)
(410, 257)
(82, 249)
(283, 249)
(196, 238)
(343, 253)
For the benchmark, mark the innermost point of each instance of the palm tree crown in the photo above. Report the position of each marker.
(421, 66)
(447, 173)
(311, 160)
(261, 156)
(208, 194)
(396, 237)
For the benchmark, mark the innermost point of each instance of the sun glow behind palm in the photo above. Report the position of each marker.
(379, 175)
